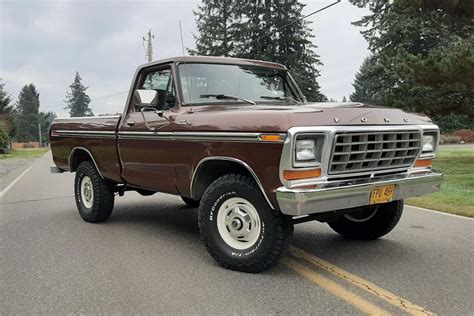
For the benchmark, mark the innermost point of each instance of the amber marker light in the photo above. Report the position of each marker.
(301, 174)
(424, 163)
(271, 137)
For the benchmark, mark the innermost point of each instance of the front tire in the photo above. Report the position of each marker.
(370, 222)
(238, 228)
(94, 195)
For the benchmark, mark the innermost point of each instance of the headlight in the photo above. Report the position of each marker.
(305, 150)
(429, 142)
(308, 150)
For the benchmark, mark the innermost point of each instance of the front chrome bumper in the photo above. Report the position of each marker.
(342, 194)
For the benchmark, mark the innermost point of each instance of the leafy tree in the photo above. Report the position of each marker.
(77, 101)
(264, 29)
(422, 57)
(27, 114)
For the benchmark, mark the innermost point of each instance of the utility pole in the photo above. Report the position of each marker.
(149, 47)
(39, 131)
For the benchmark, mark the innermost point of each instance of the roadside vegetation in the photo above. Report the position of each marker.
(457, 191)
(24, 153)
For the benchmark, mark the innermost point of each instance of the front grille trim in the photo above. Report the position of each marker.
(368, 151)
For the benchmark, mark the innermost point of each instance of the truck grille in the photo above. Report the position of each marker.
(368, 151)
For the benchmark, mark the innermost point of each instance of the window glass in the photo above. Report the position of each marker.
(257, 84)
(162, 82)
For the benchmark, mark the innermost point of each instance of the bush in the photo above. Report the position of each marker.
(466, 135)
(4, 139)
(450, 139)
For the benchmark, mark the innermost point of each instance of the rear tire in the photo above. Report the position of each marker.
(191, 202)
(370, 222)
(238, 227)
(94, 195)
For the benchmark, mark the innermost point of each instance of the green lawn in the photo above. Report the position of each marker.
(457, 191)
(24, 153)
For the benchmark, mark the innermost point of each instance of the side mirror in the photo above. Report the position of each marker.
(145, 98)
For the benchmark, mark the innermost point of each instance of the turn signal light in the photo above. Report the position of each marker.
(424, 163)
(271, 137)
(301, 174)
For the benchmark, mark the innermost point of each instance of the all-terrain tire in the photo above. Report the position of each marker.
(272, 239)
(373, 226)
(96, 206)
(191, 202)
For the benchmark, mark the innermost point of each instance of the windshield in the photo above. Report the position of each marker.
(216, 83)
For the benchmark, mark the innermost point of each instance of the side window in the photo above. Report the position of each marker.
(162, 82)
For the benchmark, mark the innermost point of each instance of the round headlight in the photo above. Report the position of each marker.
(305, 150)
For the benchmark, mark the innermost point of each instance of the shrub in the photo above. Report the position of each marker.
(466, 135)
(450, 139)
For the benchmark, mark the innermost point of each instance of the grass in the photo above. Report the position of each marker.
(24, 153)
(457, 191)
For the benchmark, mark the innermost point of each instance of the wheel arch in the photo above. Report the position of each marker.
(211, 168)
(78, 155)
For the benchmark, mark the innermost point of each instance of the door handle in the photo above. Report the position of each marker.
(130, 123)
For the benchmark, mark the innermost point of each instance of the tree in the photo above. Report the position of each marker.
(422, 56)
(6, 111)
(217, 23)
(264, 29)
(46, 119)
(344, 99)
(27, 114)
(77, 101)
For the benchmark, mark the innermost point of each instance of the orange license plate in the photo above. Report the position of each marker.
(382, 194)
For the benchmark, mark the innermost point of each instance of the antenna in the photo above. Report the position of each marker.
(184, 61)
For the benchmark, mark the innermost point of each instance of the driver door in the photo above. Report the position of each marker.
(145, 150)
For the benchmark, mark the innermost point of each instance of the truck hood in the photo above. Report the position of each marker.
(278, 118)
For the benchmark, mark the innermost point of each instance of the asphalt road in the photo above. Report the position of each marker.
(148, 258)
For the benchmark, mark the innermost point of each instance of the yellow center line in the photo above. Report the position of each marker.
(335, 289)
(365, 285)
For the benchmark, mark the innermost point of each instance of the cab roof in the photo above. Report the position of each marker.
(215, 60)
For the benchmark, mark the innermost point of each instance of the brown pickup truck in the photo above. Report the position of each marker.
(238, 139)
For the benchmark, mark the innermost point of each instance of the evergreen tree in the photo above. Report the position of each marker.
(217, 23)
(5, 99)
(6, 111)
(77, 101)
(422, 56)
(344, 99)
(263, 29)
(27, 114)
(46, 119)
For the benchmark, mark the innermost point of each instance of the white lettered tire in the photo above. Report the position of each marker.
(238, 228)
(94, 195)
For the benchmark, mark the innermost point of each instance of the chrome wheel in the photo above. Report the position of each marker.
(87, 192)
(362, 216)
(238, 223)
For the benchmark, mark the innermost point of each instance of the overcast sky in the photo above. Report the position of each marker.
(45, 42)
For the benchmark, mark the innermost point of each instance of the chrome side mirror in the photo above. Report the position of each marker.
(145, 98)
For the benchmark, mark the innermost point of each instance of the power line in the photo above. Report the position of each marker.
(300, 19)
(108, 96)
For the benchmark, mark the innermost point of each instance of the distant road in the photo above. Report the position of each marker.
(148, 258)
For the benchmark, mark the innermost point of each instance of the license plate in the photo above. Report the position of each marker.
(382, 194)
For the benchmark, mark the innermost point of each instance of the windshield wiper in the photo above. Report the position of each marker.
(226, 97)
(279, 98)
